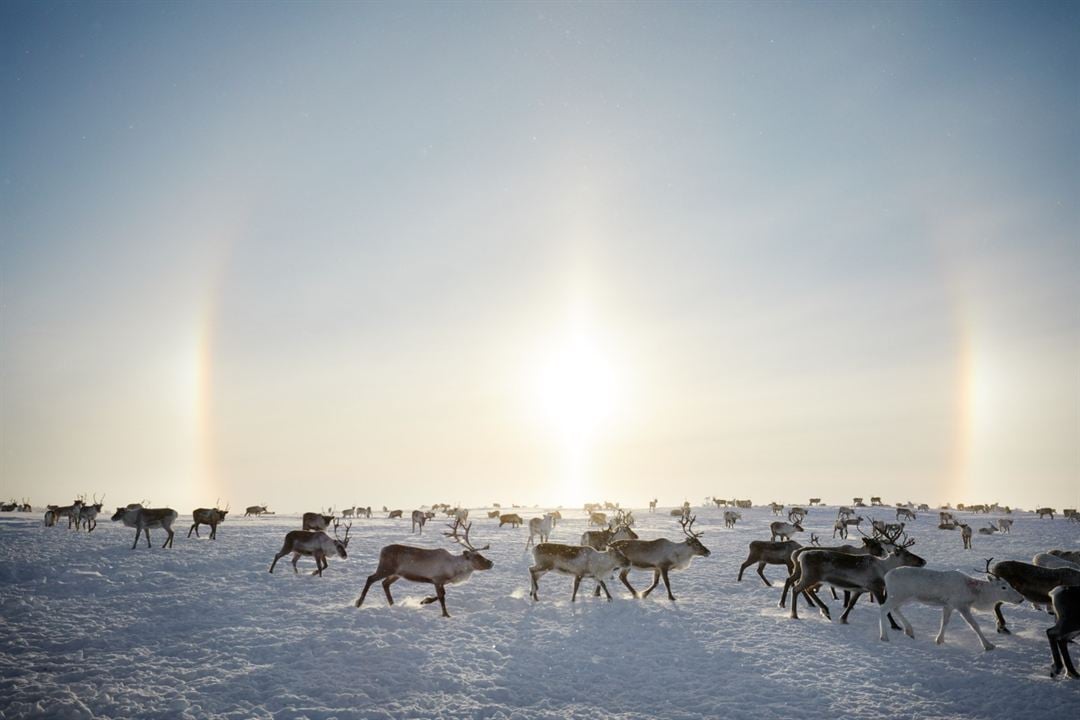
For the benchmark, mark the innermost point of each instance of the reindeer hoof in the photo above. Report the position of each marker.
(910, 634)
(988, 647)
(1002, 630)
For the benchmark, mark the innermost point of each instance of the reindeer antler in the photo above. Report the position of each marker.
(687, 523)
(458, 539)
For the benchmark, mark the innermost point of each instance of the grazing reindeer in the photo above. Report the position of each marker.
(797, 515)
(394, 514)
(784, 531)
(142, 519)
(988, 530)
(257, 510)
(207, 516)
(88, 514)
(730, 516)
(660, 556)
(315, 543)
(1066, 604)
(857, 573)
(492, 514)
(577, 560)
(540, 526)
(436, 566)
(511, 519)
(949, 589)
(903, 512)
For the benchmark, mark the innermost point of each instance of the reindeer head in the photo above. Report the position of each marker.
(340, 543)
(692, 537)
(472, 554)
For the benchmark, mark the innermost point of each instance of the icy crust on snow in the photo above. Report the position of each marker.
(91, 628)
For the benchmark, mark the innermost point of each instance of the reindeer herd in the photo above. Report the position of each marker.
(882, 565)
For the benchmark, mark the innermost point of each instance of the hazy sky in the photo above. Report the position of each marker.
(315, 254)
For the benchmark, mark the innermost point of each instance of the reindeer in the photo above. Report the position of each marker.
(9, 507)
(142, 519)
(858, 573)
(1066, 604)
(314, 543)
(842, 523)
(394, 514)
(492, 514)
(71, 512)
(577, 560)
(1031, 581)
(777, 508)
(1005, 525)
(965, 535)
(903, 512)
(652, 505)
(814, 501)
(730, 516)
(317, 521)
(769, 552)
(208, 516)
(797, 515)
(875, 502)
(1044, 511)
(257, 510)
(540, 526)
(660, 556)
(784, 531)
(949, 589)
(348, 513)
(419, 517)
(436, 566)
(88, 514)
(988, 530)
(601, 539)
(598, 518)
(511, 519)
(869, 546)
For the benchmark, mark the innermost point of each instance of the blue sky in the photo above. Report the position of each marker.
(252, 249)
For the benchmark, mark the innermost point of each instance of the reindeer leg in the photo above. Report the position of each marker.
(1055, 651)
(168, 540)
(440, 591)
(799, 587)
(386, 583)
(535, 574)
(761, 572)
(318, 554)
(283, 553)
(946, 614)
(1001, 620)
(847, 611)
(295, 559)
(655, 582)
(748, 563)
(784, 593)
(577, 581)
(966, 614)
(622, 576)
(195, 527)
(138, 531)
(371, 579)
(601, 583)
(667, 583)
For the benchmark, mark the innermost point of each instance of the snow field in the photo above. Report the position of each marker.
(91, 628)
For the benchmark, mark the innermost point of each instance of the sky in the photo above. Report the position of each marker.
(314, 254)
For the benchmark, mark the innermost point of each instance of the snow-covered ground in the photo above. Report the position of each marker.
(89, 627)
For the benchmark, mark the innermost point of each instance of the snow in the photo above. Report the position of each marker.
(91, 628)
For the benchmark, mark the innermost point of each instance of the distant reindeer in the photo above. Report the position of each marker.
(256, 510)
(317, 521)
(511, 519)
(142, 519)
(428, 565)
(540, 527)
(88, 514)
(394, 514)
(965, 534)
(903, 512)
(730, 516)
(652, 505)
(784, 531)
(348, 513)
(419, 517)
(313, 543)
(494, 514)
(777, 508)
(1044, 511)
(814, 501)
(208, 516)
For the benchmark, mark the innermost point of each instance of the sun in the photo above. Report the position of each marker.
(577, 394)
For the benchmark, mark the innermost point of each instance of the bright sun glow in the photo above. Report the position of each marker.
(577, 394)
